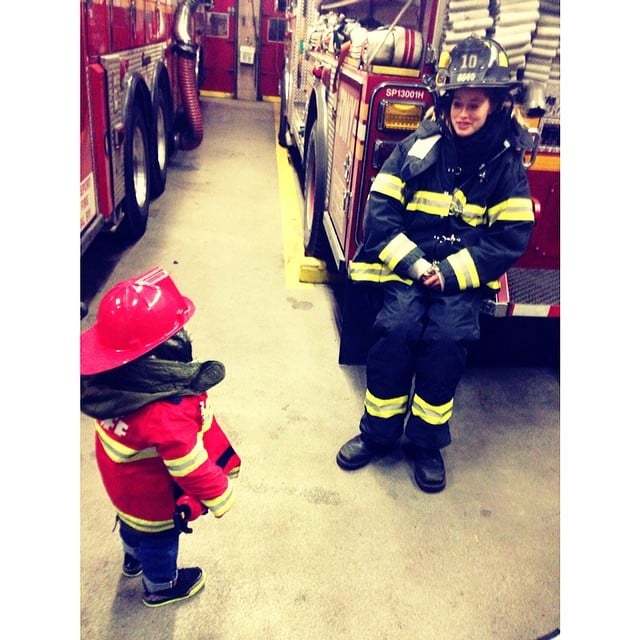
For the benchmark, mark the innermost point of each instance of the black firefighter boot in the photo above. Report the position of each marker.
(429, 470)
(356, 453)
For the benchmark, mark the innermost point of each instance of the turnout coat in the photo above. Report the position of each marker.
(462, 204)
(157, 438)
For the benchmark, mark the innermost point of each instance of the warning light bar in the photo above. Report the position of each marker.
(400, 116)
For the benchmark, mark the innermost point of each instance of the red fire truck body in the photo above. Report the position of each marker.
(138, 102)
(344, 115)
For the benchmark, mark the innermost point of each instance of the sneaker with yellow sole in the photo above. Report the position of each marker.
(188, 583)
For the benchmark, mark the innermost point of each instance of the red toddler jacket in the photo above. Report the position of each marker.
(143, 456)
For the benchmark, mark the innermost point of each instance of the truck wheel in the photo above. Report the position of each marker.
(199, 67)
(163, 144)
(282, 129)
(137, 176)
(315, 186)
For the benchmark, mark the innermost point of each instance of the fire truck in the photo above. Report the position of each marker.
(359, 77)
(138, 104)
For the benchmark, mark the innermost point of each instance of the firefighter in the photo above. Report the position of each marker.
(448, 214)
(162, 456)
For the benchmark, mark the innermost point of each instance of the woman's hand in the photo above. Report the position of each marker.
(431, 280)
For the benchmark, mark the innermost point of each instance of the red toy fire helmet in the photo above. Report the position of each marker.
(134, 317)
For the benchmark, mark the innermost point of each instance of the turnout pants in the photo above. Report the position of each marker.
(419, 342)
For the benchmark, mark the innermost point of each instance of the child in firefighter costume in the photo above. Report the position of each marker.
(448, 214)
(162, 456)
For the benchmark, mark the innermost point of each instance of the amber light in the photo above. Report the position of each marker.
(400, 116)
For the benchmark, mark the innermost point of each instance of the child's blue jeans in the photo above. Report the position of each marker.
(156, 552)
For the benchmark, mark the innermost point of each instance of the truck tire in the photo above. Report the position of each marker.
(315, 186)
(137, 176)
(161, 116)
(282, 128)
(200, 71)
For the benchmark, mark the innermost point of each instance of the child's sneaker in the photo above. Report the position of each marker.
(189, 582)
(131, 566)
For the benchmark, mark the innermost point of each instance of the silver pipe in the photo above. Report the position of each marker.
(181, 22)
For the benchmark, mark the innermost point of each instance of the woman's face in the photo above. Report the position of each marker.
(469, 111)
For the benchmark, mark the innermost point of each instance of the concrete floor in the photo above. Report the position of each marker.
(310, 551)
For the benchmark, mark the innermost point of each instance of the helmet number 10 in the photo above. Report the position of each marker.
(469, 61)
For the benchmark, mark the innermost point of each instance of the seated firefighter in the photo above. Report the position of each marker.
(448, 214)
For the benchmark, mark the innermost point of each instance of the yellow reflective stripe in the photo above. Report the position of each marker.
(233, 473)
(494, 284)
(397, 249)
(119, 452)
(389, 185)
(148, 526)
(366, 271)
(458, 201)
(221, 504)
(422, 146)
(430, 202)
(512, 210)
(374, 272)
(385, 408)
(465, 269)
(473, 215)
(179, 467)
(431, 413)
